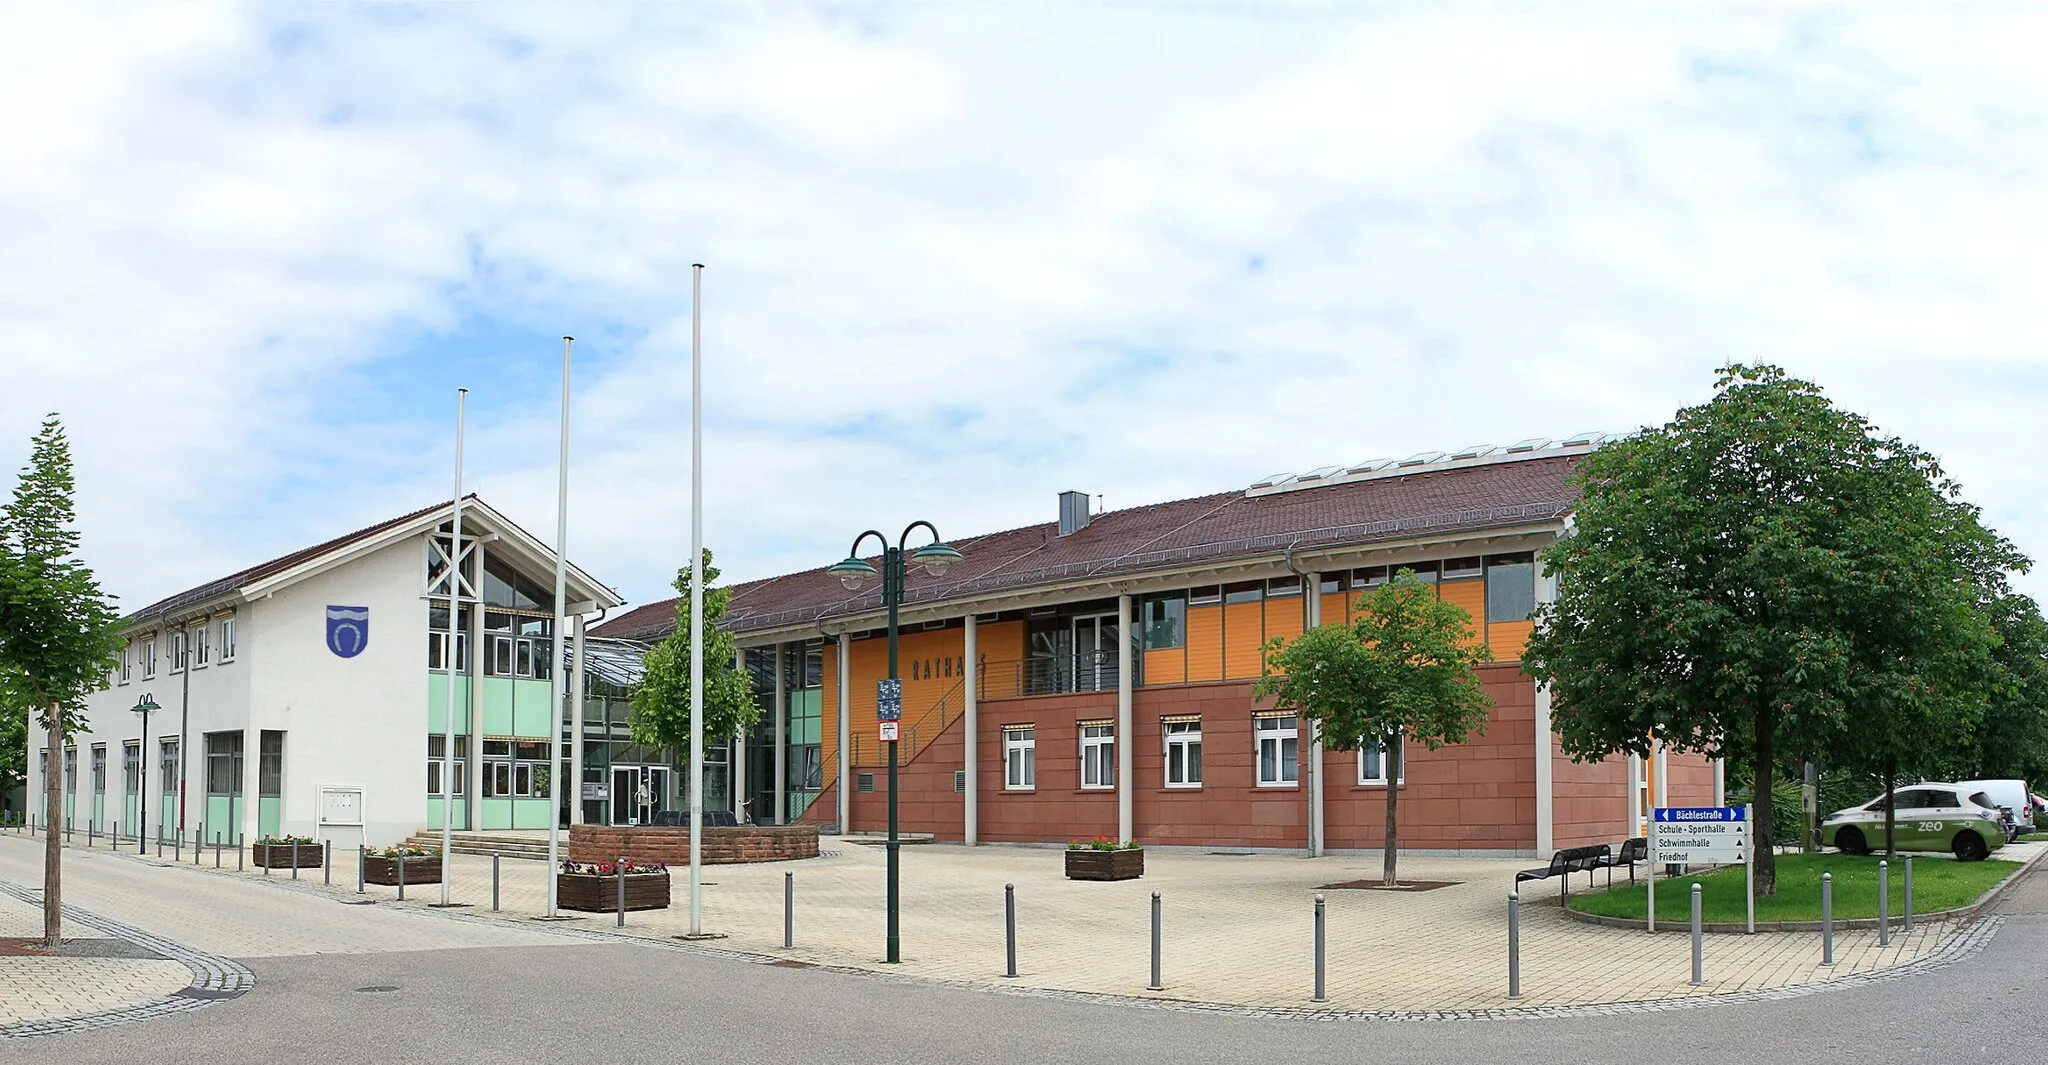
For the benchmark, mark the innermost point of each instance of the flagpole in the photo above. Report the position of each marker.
(561, 662)
(448, 659)
(696, 599)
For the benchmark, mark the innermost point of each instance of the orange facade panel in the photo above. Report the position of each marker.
(828, 715)
(1205, 643)
(1507, 638)
(1243, 631)
(1471, 595)
(1168, 666)
(1336, 608)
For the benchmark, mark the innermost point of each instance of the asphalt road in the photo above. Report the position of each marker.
(580, 1003)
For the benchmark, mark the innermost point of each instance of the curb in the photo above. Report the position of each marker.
(1961, 915)
(213, 978)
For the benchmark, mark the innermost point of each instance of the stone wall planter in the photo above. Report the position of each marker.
(670, 845)
(424, 869)
(286, 855)
(600, 894)
(1089, 864)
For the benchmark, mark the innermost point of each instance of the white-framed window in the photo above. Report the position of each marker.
(437, 650)
(99, 769)
(435, 746)
(1372, 762)
(227, 639)
(1183, 753)
(127, 661)
(199, 646)
(177, 652)
(1279, 750)
(510, 768)
(131, 767)
(1098, 754)
(148, 657)
(1020, 757)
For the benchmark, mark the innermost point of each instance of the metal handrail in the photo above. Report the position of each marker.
(1079, 671)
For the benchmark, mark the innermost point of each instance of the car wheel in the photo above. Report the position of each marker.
(1969, 847)
(1850, 841)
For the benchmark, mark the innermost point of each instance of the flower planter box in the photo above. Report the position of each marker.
(1089, 864)
(600, 894)
(424, 869)
(288, 855)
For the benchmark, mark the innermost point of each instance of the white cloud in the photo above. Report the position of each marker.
(965, 257)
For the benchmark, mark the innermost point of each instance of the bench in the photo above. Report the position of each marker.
(1632, 851)
(1568, 861)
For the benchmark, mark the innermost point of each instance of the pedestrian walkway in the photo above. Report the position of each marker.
(1237, 928)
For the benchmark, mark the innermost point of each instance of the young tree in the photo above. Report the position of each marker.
(1402, 669)
(13, 746)
(1737, 578)
(58, 635)
(661, 701)
(2012, 740)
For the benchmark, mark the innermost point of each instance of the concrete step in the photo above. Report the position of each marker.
(481, 843)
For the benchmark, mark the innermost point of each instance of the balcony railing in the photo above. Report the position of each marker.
(1085, 671)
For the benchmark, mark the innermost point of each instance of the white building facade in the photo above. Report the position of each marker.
(308, 696)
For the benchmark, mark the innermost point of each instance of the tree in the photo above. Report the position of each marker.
(661, 700)
(13, 746)
(1738, 579)
(1402, 669)
(2012, 740)
(58, 633)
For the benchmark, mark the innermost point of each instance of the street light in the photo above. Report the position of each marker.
(935, 558)
(144, 706)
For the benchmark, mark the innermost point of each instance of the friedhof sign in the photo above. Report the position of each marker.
(1699, 835)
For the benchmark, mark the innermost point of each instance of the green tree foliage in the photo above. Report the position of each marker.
(13, 745)
(1404, 668)
(1766, 577)
(661, 701)
(2012, 740)
(58, 635)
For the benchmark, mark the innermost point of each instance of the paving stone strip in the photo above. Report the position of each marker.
(213, 979)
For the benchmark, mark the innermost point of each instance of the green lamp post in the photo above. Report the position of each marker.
(936, 558)
(144, 706)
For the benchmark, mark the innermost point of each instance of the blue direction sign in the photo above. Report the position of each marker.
(889, 699)
(1701, 813)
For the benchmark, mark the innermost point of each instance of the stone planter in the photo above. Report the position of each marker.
(1090, 864)
(600, 894)
(423, 869)
(288, 855)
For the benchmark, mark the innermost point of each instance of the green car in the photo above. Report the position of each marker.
(1930, 817)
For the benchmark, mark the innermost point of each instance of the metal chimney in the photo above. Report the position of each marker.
(1073, 512)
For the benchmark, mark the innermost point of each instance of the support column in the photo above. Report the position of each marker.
(1124, 737)
(1546, 764)
(971, 815)
(845, 752)
(1720, 782)
(781, 737)
(1661, 769)
(1635, 793)
(739, 747)
(1312, 616)
(250, 813)
(473, 790)
(575, 775)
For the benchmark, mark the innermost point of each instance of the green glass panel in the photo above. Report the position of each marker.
(269, 814)
(498, 698)
(437, 703)
(99, 812)
(497, 814)
(529, 813)
(223, 815)
(530, 708)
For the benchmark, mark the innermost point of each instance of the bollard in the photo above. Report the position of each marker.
(1514, 944)
(1884, 904)
(266, 859)
(1696, 976)
(1010, 929)
(216, 850)
(295, 860)
(1319, 996)
(198, 845)
(241, 852)
(1155, 985)
(401, 874)
(117, 835)
(91, 830)
(788, 910)
(1827, 918)
(621, 868)
(1906, 925)
(177, 847)
(360, 866)
(327, 863)
(494, 882)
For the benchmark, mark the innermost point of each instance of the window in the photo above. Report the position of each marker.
(1282, 587)
(270, 764)
(223, 763)
(1207, 596)
(1369, 577)
(437, 647)
(435, 746)
(1458, 569)
(148, 659)
(1020, 758)
(1372, 763)
(71, 770)
(1098, 754)
(513, 768)
(131, 767)
(227, 639)
(127, 661)
(1183, 753)
(1425, 572)
(1510, 587)
(1279, 745)
(178, 652)
(1244, 592)
(1165, 622)
(167, 767)
(99, 769)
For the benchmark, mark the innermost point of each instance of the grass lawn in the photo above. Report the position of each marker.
(2030, 837)
(1939, 883)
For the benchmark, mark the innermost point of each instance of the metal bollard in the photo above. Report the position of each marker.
(1884, 903)
(361, 864)
(1906, 925)
(295, 860)
(621, 869)
(788, 910)
(267, 855)
(1155, 985)
(401, 874)
(1696, 975)
(1319, 996)
(216, 850)
(177, 847)
(327, 863)
(117, 835)
(1827, 918)
(241, 853)
(198, 846)
(494, 882)
(91, 831)
(1010, 929)
(1514, 944)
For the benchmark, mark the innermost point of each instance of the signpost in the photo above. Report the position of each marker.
(891, 731)
(1701, 835)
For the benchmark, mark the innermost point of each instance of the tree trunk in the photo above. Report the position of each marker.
(1393, 759)
(1763, 777)
(53, 837)
(1891, 811)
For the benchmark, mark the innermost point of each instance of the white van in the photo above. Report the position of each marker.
(2012, 798)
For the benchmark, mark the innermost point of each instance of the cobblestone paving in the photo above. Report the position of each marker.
(1237, 929)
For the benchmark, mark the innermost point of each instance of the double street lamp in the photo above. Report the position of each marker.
(144, 706)
(936, 558)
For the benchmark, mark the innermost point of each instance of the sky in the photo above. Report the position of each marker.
(960, 257)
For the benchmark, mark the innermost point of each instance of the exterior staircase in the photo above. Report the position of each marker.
(533, 845)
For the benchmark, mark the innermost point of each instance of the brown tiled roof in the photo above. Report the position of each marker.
(191, 597)
(1205, 529)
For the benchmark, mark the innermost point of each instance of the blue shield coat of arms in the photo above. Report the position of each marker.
(348, 630)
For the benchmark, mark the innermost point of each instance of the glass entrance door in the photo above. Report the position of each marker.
(625, 791)
(654, 794)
